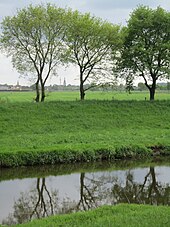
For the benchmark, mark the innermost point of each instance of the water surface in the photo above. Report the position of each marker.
(28, 193)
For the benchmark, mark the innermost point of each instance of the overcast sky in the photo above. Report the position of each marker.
(115, 11)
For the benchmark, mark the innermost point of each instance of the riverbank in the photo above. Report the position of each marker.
(120, 215)
(74, 131)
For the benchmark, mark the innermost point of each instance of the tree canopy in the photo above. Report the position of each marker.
(40, 38)
(91, 42)
(34, 40)
(146, 49)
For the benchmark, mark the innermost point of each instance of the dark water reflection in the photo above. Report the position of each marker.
(37, 193)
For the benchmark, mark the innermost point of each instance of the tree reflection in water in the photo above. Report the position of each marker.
(92, 191)
(95, 190)
(37, 203)
(150, 192)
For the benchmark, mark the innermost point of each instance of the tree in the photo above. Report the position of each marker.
(91, 42)
(34, 40)
(129, 83)
(168, 86)
(141, 86)
(146, 48)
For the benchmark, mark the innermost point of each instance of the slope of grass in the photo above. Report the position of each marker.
(107, 216)
(65, 131)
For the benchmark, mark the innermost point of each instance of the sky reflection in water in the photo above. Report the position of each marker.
(38, 197)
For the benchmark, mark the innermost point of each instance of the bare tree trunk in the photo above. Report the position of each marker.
(152, 93)
(42, 92)
(37, 99)
(82, 91)
(152, 87)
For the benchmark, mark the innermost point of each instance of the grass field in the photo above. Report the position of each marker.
(72, 131)
(74, 95)
(120, 215)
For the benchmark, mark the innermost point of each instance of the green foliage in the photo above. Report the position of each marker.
(146, 46)
(39, 38)
(142, 86)
(34, 40)
(120, 215)
(92, 43)
(129, 83)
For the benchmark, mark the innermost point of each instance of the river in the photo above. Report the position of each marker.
(27, 193)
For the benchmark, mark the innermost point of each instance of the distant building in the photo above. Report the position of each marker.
(4, 87)
(16, 87)
(64, 82)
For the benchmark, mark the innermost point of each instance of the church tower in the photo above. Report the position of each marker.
(64, 82)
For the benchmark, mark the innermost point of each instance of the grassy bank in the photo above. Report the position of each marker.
(63, 131)
(120, 215)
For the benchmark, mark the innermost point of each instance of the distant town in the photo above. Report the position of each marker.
(55, 87)
(69, 87)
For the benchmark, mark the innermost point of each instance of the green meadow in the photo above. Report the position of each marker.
(8, 97)
(64, 129)
(108, 216)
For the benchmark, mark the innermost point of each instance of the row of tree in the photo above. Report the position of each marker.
(41, 38)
